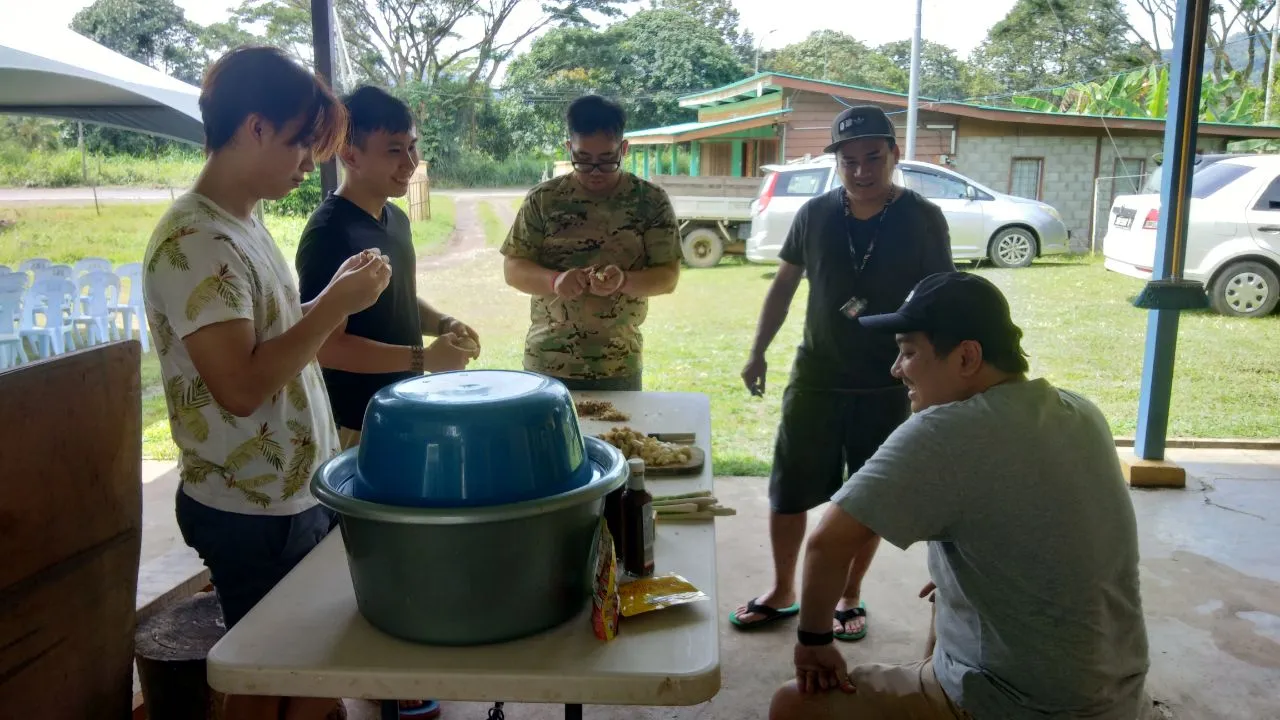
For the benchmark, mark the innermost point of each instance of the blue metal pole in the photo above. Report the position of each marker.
(1189, 36)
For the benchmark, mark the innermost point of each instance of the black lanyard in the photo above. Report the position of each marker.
(848, 228)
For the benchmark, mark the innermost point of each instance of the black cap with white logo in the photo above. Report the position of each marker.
(863, 121)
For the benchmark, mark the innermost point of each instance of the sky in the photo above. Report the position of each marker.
(959, 24)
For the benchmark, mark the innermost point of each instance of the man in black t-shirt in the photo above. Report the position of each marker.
(863, 247)
(383, 344)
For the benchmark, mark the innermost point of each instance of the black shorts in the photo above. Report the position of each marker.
(247, 555)
(824, 437)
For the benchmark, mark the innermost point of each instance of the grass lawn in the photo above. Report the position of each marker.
(120, 234)
(495, 230)
(1081, 332)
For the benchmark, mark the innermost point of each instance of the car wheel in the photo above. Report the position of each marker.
(1245, 289)
(1013, 247)
(702, 248)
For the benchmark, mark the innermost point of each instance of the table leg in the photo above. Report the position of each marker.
(390, 710)
(572, 712)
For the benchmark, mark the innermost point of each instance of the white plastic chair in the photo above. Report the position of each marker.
(91, 264)
(12, 351)
(5, 269)
(65, 272)
(49, 338)
(99, 292)
(33, 265)
(13, 280)
(130, 304)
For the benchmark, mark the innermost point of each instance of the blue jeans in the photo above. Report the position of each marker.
(248, 554)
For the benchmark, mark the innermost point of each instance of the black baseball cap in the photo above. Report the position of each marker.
(863, 121)
(963, 306)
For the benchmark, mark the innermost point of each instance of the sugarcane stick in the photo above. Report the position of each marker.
(701, 502)
(686, 496)
(677, 509)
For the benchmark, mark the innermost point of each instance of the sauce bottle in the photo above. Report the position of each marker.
(637, 523)
(613, 520)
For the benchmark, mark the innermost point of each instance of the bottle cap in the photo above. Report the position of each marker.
(636, 468)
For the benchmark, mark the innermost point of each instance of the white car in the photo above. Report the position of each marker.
(1233, 234)
(985, 224)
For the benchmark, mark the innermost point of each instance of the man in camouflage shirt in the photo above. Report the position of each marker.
(591, 247)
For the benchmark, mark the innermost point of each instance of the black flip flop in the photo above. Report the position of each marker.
(770, 615)
(844, 616)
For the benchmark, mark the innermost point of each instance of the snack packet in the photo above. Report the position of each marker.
(604, 598)
(657, 593)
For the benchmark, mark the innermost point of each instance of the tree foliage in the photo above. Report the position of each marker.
(839, 57)
(1044, 43)
(153, 32)
(646, 61)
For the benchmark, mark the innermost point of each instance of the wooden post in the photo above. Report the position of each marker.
(171, 650)
(420, 194)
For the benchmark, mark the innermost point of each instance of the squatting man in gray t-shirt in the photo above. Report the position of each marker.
(1033, 548)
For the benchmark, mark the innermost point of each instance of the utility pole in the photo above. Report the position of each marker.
(1271, 69)
(913, 93)
(322, 43)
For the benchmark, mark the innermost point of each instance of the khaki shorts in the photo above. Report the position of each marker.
(348, 438)
(888, 692)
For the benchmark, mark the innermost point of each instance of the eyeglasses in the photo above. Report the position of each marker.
(605, 167)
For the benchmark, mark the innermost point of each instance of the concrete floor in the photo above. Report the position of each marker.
(1210, 578)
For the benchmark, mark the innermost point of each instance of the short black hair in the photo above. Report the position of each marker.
(591, 114)
(1006, 355)
(264, 81)
(371, 109)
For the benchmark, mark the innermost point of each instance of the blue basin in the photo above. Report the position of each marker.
(469, 439)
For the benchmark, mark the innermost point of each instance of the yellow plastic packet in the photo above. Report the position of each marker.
(657, 593)
(604, 597)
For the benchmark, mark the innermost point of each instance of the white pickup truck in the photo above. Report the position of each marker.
(714, 215)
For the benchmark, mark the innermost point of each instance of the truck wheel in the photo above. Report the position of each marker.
(702, 248)
(1245, 289)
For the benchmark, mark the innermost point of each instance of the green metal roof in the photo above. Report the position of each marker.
(748, 89)
(684, 128)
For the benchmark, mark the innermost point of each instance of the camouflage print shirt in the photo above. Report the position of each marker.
(561, 227)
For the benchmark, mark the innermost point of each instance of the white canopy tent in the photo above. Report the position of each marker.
(56, 72)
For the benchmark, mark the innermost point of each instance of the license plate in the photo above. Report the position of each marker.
(1123, 222)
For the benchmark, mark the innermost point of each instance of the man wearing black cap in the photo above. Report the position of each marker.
(1033, 547)
(863, 246)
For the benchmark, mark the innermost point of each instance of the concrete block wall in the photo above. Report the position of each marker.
(1068, 172)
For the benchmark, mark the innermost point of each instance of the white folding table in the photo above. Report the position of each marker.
(307, 638)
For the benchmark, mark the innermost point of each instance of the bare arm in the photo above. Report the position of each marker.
(656, 280)
(356, 354)
(828, 553)
(528, 276)
(777, 303)
(242, 375)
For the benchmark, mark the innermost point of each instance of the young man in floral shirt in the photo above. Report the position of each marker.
(247, 405)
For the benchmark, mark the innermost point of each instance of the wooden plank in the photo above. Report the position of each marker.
(70, 533)
(1151, 473)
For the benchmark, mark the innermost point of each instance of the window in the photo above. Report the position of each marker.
(1270, 199)
(1129, 174)
(933, 186)
(1025, 177)
(801, 183)
(1215, 177)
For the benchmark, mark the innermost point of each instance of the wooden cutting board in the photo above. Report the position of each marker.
(693, 467)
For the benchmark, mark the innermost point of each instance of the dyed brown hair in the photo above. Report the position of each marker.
(263, 81)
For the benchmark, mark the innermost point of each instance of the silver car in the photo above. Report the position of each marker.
(1233, 234)
(985, 224)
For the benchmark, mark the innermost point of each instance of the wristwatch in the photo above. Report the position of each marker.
(443, 325)
(810, 639)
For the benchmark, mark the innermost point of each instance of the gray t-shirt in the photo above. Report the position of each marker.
(1033, 546)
